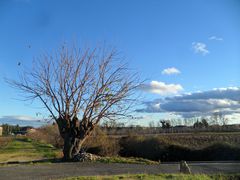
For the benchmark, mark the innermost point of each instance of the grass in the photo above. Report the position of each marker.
(199, 140)
(130, 160)
(159, 177)
(24, 149)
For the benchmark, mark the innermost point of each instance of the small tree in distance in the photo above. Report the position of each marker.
(79, 88)
(165, 124)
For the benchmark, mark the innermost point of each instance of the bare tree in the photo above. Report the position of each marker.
(219, 118)
(151, 124)
(79, 88)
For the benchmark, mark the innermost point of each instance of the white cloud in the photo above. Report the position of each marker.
(161, 88)
(22, 120)
(222, 102)
(20, 117)
(201, 48)
(170, 71)
(205, 103)
(228, 88)
(215, 38)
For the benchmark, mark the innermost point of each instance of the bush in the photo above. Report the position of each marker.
(4, 141)
(151, 147)
(101, 144)
(221, 151)
(47, 134)
(155, 148)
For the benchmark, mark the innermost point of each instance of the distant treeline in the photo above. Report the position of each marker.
(215, 123)
(14, 129)
(172, 129)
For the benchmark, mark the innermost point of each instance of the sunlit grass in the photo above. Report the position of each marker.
(159, 177)
(130, 160)
(24, 149)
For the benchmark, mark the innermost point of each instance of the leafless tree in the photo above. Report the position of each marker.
(219, 118)
(151, 124)
(79, 88)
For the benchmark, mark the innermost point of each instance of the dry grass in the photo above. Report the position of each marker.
(99, 143)
(164, 147)
(200, 140)
(47, 134)
(159, 177)
(4, 141)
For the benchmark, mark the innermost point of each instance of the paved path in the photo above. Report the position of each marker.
(61, 170)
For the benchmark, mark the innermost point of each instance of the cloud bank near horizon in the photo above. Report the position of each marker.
(224, 100)
(19, 117)
(22, 120)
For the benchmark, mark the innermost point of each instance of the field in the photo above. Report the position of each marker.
(27, 150)
(190, 147)
(164, 147)
(200, 146)
(128, 149)
(24, 149)
(201, 139)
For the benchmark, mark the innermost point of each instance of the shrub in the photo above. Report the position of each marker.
(156, 148)
(47, 134)
(221, 151)
(151, 147)
(4, 141)
(189, 147)
(101, 144)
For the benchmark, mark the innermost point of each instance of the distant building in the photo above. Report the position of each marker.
(1, 130)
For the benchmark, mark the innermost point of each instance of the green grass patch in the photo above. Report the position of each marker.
(130, 160)
(25, 149)
(159, 177)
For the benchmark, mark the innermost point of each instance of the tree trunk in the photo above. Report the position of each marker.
(74, 136)
(72, 146)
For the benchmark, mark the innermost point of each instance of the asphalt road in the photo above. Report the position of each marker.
(61, 170)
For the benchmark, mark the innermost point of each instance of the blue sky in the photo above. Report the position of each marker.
(178, 46)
